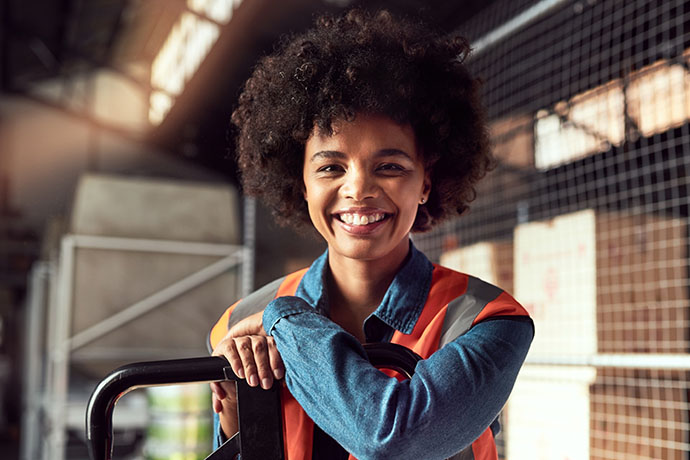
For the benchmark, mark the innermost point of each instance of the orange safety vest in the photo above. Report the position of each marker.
(455, 303)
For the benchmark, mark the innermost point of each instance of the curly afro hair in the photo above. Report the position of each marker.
(363, 63)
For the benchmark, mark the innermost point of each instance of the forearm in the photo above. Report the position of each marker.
(452, 398)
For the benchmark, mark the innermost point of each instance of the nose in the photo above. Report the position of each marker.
(358, 185)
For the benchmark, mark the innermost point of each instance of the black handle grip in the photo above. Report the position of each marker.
(99, 413)
(99, 430)
(392, 356)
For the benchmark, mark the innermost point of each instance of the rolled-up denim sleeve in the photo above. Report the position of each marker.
(452, 398)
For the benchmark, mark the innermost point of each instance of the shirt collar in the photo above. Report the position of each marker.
(401, 305)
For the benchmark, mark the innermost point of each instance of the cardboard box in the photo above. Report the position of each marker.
(555, 279)
(639, 414)
(567, 413)
(604, 282)
(642, 284)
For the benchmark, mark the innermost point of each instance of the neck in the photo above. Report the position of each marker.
(356, 287)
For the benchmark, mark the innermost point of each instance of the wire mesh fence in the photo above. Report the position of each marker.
(585, 221)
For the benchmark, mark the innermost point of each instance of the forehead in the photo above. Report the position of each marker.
(366, 133)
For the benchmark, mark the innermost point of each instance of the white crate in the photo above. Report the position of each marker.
(555, 279)
(548, 414)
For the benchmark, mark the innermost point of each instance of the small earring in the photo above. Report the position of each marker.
(423, 200)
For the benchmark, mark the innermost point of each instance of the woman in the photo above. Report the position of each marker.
(369, 128)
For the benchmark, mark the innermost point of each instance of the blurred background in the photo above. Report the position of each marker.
(123, 235)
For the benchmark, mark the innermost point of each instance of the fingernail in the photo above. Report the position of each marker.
(240, 372)
(278, 373)
(253, 380)
(266, 383)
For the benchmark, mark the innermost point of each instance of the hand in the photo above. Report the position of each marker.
(225, 405)
(253, 355)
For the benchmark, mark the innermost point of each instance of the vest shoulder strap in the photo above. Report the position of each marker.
(465, 311)
(461, 314)
(255, 302)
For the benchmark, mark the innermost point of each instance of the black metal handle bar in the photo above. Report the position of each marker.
(392, 356)
(259, 417)
(99, 413)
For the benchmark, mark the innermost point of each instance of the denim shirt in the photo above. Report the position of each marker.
(451, 399)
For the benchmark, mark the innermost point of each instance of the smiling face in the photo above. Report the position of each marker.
(363, 185)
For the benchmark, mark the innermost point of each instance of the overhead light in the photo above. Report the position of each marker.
(218, 10)
(187, 45)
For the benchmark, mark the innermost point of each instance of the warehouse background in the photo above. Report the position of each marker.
(119, 209)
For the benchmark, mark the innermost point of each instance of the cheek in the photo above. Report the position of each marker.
(310, 208)
(316, 202)
(409, 197)
(409, 201)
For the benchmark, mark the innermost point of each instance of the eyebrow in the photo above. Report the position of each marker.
(335, 154)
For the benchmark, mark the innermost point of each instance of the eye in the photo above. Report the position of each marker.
(390, 168)
(332, 168)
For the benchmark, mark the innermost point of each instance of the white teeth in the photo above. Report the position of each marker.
(357, 219)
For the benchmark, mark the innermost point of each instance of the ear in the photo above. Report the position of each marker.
(426, 185)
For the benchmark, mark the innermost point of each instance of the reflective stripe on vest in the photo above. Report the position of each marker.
(454, 304)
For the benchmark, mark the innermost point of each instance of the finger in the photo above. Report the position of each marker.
(218, 390)
(228, 349)
(246, 354)
(230, 400)
(230, 390)
(275, 360)
(263, 364)
(217, 405)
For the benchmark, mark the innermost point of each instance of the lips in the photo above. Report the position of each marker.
(361, 221)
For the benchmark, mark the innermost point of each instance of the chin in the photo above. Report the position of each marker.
(359, 254)
(364, 251)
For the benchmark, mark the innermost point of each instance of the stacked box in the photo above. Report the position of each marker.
(555, 279)
(642, 284)
(604, 282)
(640, 414)
(642, 308)
(594, 283)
